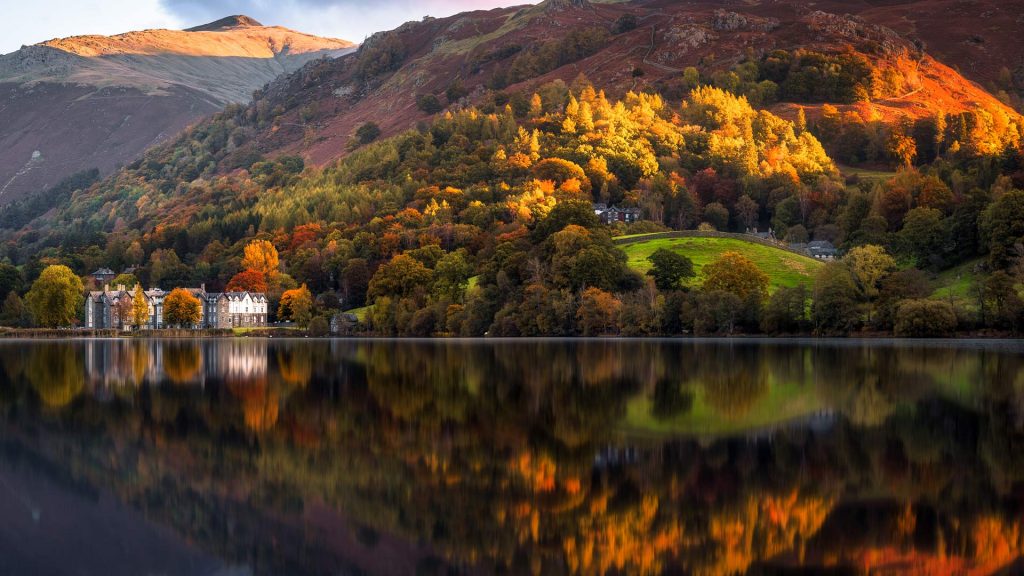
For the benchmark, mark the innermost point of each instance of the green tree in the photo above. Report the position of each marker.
(56, 297)
(451, 276)
(923, 235)
(1003, 227)
(182, 309)
(835, 300)
(669, 269)
(129, 281)
(10, 279)
(14, 313)
(786, 311)
(402, 276)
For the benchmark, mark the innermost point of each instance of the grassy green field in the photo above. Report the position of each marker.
(956, 282)
(784, 269)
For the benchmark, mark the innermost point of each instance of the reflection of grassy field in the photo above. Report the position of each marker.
(781, 403)
(783, 268)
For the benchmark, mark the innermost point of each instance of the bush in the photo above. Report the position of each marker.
(429, 103)
(925, 318)
(319, 327)
(625, 23)
(367, 133)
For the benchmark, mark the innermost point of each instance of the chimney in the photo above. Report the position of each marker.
(120, 288)
(202, 287)
(106, 287)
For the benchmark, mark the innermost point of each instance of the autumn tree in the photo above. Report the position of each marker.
(261, 256)
(735, 273)
(402, 276)
(140, 308)
(296, 305)
(248, 281)
(597, 312)
(925, 318)
(56, 297)
(869, 265)
(182, 309)
(669, 269)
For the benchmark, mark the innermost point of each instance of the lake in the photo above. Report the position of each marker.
(293, 457)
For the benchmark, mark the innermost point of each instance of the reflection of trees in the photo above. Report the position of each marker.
(259, 403)
(56, 372)
(295, 363)
(182, 361)
(487, 453)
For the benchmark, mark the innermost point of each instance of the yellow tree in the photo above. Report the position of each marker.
(140, 308)
(261, 256)
(181, 308)
(598, 312)
(56, 297)
(735, 273)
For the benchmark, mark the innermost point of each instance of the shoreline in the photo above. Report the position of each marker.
(296, 334)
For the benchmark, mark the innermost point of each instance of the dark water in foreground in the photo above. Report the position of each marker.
(533, 457)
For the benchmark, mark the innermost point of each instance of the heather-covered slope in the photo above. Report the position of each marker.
(97, 102)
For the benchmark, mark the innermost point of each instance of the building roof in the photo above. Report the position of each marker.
(103, 272)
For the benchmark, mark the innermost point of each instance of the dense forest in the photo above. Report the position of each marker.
(481, 221)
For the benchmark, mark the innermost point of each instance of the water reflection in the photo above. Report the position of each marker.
(319, 457)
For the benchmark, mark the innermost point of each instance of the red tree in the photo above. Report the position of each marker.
(248, 281)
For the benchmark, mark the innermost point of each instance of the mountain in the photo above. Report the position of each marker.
(72, 104)
(643, 45)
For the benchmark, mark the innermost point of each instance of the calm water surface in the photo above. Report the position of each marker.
(234, 457)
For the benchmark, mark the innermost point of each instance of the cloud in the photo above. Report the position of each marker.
(349, 19)
(41, 20)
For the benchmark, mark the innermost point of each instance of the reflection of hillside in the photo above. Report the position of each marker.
(508, 456)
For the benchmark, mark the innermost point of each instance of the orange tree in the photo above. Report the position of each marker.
(260, 255)
(296, 305)
(181, 308)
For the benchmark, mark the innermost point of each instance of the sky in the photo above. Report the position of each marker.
(29, 22)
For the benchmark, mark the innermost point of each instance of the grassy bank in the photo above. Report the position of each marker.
(783, 268)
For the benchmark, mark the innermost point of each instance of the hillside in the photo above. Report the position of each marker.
(84, 102)
(784, 268)
(641, 45)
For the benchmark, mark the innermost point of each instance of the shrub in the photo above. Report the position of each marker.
(925, 318)
(367, 133)
(429, 103)
(319, 327)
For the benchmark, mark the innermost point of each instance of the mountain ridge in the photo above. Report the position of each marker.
(91, 101)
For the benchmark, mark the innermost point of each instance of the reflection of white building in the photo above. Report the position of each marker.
(238, 359)
(116, 363)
